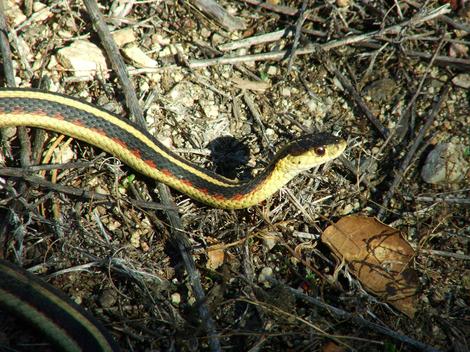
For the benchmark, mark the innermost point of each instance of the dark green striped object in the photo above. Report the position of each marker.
(65, 324)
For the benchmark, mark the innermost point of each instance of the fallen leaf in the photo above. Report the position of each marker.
(215, 257)
(332, 347)
(378, 256)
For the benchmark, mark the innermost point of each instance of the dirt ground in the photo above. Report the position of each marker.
(391, 77)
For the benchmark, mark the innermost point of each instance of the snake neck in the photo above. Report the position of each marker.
(243, 194)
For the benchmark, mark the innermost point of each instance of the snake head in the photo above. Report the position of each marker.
(308, 151)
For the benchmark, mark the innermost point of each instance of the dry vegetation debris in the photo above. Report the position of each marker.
(225, 87)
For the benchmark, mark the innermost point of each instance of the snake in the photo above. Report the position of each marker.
(138, 149)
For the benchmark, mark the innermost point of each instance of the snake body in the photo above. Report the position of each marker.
(141, 151)
(68, 326)
(48, 308)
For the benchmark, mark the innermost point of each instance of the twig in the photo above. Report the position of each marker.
(358, 99)
(460, 63)
(411, 152)
(73, 191)
(219, 14)
(407, 110)
(285, 10)
(256, 40)
(449, 21)
(25, 152)
(5, 49)
(178, 235)
(445, 254)
(184, 248)
(265, 38)
(298, 27)
(343, 315)
(116, 60)
(257, 117)
(463, 201)
(308, 49)
(404, 117)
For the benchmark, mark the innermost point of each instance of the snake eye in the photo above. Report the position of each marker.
(320, 151)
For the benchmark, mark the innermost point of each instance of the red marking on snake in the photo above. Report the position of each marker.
(186, 182)
(219, 196)
(98, 130)
(150, 163)
(136, 153)
(39, 112)
(18, 111)
(78, 123)
(58, 116)
(167, 172)
(238, 196)
(120, 142)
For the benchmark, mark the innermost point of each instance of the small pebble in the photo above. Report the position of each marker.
(107, 298)
(265, 275)
(342, 3)
(462, 80)
(124, 36)
(176, 299)
(84, 58)
(270, 241)
(138, 57)
(446, 163)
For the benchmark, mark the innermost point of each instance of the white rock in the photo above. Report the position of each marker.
(84, 58)
(265, 275)
(138, 57)
(41, 11)
(286, 92)
(14, 13)
(211, 110)
(176, 299)
(462, 80)
(445, 164)
(124, 36)
(272, 70)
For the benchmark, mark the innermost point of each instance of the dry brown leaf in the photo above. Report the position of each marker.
(215, 257)
(379, 256)
(332, 347)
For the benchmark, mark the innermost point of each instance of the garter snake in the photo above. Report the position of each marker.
(142, 152)
(68, 326)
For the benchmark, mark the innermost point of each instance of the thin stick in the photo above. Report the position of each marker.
(343, 315)
(308, 49)
(435, 199)
(212, 9)
(26, 175)
(298, 28)
(411, 152)
(285, 10)
(116, 60)
(359, 101)
(178, 236)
